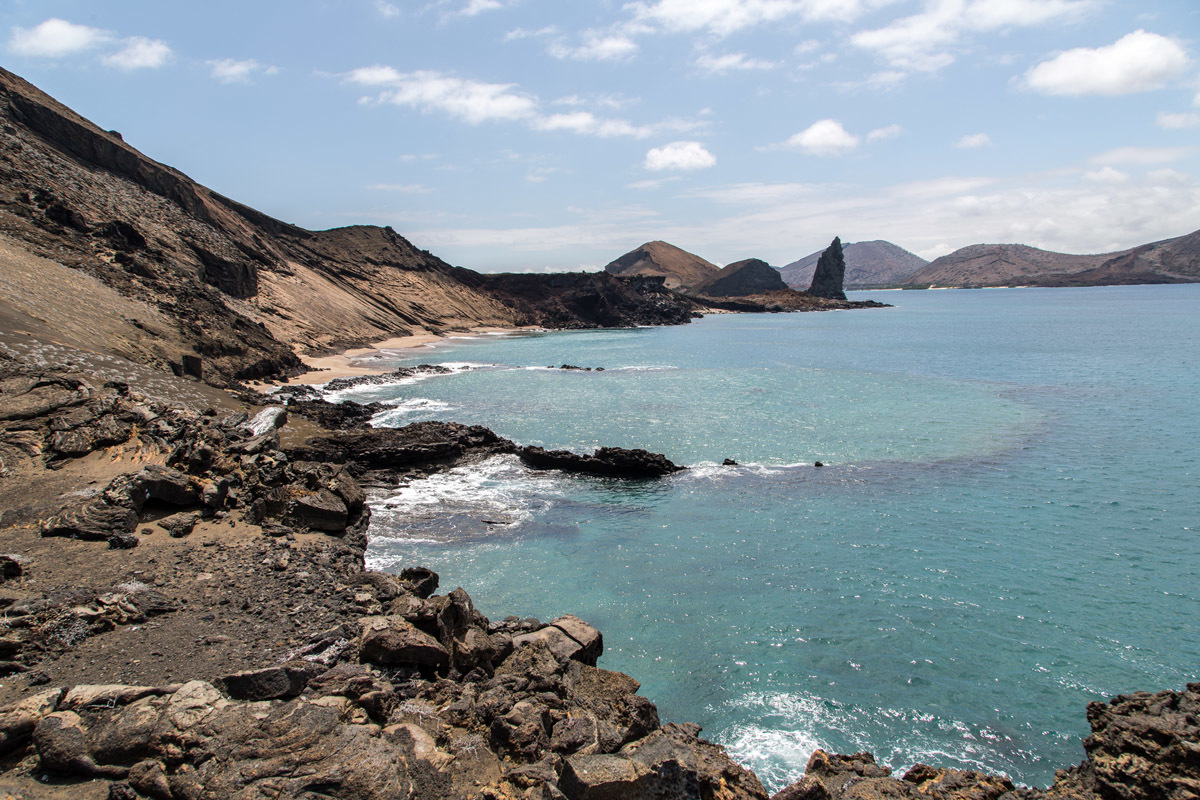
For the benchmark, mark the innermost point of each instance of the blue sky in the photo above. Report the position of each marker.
(543, 135)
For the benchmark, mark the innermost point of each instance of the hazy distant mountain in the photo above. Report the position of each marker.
(681, 269)
(1169, 261)
(868, 265)
(741, 278)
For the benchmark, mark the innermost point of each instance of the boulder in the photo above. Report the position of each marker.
(590, 640)
(422, 581)
(394, 642)
(269, 683)
(321, 511)
(18, 720)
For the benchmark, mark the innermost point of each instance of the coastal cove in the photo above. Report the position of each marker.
(1004, 532)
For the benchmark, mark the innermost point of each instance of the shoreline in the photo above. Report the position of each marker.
(350, 363)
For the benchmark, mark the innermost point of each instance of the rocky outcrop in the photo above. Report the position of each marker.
(615, 462)
(581, 300)
(830, 273)
(869, 265)
(1142, 746)
(421, 443)
(432, 701)
(741, 278)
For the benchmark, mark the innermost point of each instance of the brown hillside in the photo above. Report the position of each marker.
(680, 269)
(240, 290)
(1169, 261)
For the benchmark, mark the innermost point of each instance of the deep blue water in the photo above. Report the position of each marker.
(1006, 528)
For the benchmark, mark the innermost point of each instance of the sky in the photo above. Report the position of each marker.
(542, 135)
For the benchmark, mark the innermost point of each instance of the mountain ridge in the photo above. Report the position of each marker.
(1174, 260)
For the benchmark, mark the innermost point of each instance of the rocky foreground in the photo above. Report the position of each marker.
(187, 615)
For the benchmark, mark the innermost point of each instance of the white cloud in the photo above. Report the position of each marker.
(887, 132)
(597, 46)
(1137, 62)
(928, 41)
(716, 65)
(477, 101)
(1173, 122)
(228, 70)
(973, 141)
(386, 9)
(723, 17)
(1107, 175)
(517, 34)
(1142, 155)
(995, 14)
(917, 42)
(428, 90)
(474, 7)
(682, 156)
(400, 188)
(55, 38)
(826, 137)
(651, 183)
(139, 53)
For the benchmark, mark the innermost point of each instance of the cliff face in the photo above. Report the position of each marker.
(679, 269)
(741, 278)
(1169, 261)
(241, 291)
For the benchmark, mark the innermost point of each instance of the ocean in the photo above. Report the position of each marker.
(1005, 527)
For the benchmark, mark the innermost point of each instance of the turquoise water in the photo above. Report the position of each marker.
(1006, 528)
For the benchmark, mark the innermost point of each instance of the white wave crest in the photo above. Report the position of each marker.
(462, 502)
(406, 407)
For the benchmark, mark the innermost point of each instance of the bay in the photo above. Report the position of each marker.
(1005, 528)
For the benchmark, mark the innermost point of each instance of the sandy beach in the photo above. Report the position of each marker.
(357, 361)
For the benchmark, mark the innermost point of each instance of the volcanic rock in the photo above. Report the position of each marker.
(830, 273)
(610, 461)
(741, 278)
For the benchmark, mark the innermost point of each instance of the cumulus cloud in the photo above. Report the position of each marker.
(723, 17)
(477, 101)
(973, 141)
(229, 70)
(1173, 122)
(139, 53)
(679, 156)
(929, 41)
(428, 90)
(56, 38)
(597, 46)
(716, 65)
(825, 137)
(1137, 62)
(884, 133)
